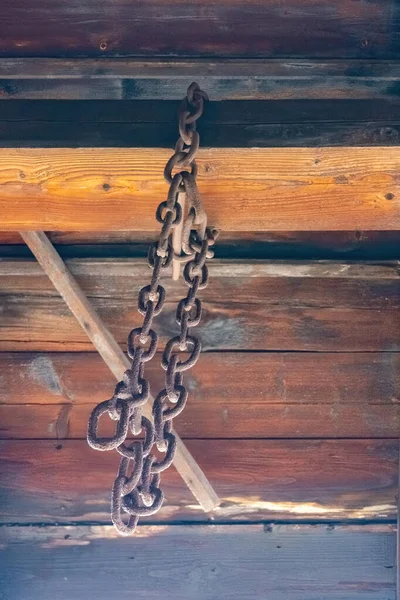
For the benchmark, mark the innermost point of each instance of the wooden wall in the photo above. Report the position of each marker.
(294, 409)
(293, 415)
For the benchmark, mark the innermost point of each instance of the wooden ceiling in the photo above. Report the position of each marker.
(294, 411)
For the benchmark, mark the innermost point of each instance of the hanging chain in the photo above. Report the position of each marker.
(136, 491)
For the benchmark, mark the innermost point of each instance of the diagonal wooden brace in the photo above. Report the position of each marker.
(111, 353)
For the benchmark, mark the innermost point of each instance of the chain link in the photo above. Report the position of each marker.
(136, 491)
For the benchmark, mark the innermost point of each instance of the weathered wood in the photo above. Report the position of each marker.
(256, 190)
(250, 305)
(152, 123)
(216, 114)
(224, 79)
(37, 134)
(64, 481)
(305, 28)
(232, 395)
(232, 419)
(110, 352)
(337, 245)
(305, 245)
(200, 563)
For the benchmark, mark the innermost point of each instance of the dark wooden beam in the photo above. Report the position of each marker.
(304, 245)
(193, 563)
(223, 79)
(293, 28)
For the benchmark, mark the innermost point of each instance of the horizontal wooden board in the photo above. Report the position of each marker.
(337, 29)
(53, 481)
(232, 395)
(167, 79)
(249, 305)
(256, 190)
(306, 245)
(153, 123)
(50, 135)
(200, 563)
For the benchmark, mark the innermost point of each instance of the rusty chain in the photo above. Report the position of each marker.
(136, 491)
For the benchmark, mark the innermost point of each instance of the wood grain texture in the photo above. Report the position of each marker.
(232, 395)
(249, 305)
(168, 79)
(284, 123)
(292, 28)
(289, 189)
(200, 563)
(59, 482)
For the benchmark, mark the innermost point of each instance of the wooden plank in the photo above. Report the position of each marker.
(322, 189)
(304, 245)
(223, 420)
(224, 79)
(110, 352)
(152, 123)
(288, 395)
(165, 27)
(38, 134)
(66, 481)
(216, 113)
(199, 563)
(251, 305)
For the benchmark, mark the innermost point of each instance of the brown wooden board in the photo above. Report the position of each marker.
(54, 481)
(246, 190)
(249, 305)
(200, 563)
(232, 395)
(166, 80)
(302, 28)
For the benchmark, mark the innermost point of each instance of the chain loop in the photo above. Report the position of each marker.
(136, 491)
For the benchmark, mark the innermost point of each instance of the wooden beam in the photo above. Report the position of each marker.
(63, 481)
(152, 123)
(267, 245)
(243, 190)
(354, 562)
(224, 79)
(239, 28)
(110, 352)
(251, 305)
(289, 395)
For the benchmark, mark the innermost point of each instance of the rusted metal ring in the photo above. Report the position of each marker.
(191, 278)
(185, 364)
(192, 320)
(108, 443)
(147, 354)
(155, 260)
(158, 299)
(131, 503)
(116, 506)
(171, 164)
(176, 213)
(162, 465)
